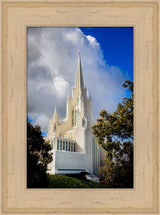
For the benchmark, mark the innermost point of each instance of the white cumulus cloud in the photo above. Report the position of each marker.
(52, 64)
(92, 40)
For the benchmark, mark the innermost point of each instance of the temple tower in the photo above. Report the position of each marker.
(72, 141)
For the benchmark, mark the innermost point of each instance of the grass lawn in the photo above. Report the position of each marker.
(62, 181)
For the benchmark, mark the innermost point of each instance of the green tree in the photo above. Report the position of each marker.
(114, 133)
(37, 157)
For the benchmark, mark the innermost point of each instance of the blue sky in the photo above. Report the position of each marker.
(107, 61)
(117, 45)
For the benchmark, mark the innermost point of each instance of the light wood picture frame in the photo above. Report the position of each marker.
(16, 16)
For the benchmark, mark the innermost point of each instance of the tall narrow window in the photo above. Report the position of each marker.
(57, 144)
(69, 147)
(60, 144)
(66, 145)
(54, 127)
(63, 145)
(75, 116)
(72, 117)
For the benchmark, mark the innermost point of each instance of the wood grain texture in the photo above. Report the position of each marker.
(16, 16)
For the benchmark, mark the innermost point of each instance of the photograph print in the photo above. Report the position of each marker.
(80, 102)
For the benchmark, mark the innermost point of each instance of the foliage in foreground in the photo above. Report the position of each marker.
(62, 181)
(37, 157)
(114, 132)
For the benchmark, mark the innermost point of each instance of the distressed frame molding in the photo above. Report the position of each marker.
(16, 17)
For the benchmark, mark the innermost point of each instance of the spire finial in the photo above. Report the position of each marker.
(79, 52)
(79, 77)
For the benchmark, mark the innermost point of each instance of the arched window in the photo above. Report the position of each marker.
(54, 127)
(63, 145)
(84, 122)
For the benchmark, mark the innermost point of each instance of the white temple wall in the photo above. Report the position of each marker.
(69, 160)
(80, 137)
(89, 150)
(96, 157)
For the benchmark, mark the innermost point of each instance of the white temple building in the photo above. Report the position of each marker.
(74, 148)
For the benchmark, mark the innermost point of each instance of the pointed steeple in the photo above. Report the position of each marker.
(79, 77)
(55, 117)
(68, 96)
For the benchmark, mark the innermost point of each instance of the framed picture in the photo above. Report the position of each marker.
(20, 16)
(67, 89)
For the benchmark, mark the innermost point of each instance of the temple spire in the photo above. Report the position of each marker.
(55, 117)
(79, 76)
